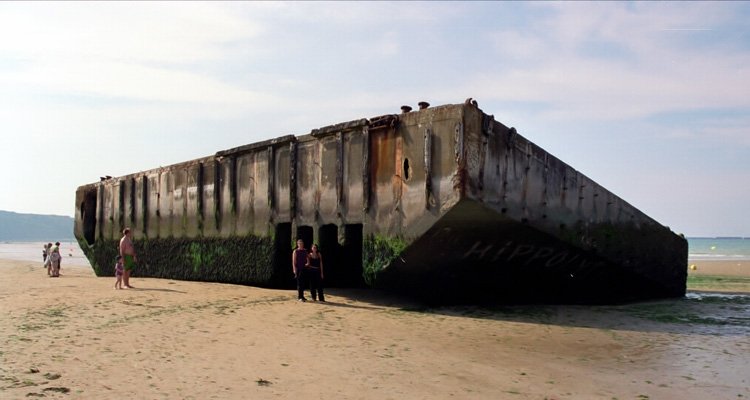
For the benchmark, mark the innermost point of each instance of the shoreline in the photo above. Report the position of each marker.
(179, 339)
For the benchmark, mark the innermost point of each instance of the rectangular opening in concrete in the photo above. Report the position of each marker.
(282, 259)
(88, 215)
(306, 234)
(351, 260)
(328, 236)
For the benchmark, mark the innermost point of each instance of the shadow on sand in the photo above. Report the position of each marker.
(141, 289)
(703, 313)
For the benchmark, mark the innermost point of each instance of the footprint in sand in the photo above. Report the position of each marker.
(57, 389)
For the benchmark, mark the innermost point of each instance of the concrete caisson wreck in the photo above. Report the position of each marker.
(442, 203)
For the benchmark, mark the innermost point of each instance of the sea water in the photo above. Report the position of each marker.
(32, 251)
(721, 248)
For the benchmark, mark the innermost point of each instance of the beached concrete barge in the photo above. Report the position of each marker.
(443, 203)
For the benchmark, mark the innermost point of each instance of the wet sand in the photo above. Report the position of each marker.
(77, 337)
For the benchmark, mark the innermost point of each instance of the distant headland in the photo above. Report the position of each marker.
(17, 227)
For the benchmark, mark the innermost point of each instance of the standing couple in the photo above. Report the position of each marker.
(308, 267)
(52, 259)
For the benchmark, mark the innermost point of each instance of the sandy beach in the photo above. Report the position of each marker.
(77, 337)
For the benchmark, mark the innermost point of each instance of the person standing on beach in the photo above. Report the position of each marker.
(119, 270)
(59, 259)
(54, 261)
(48, 260)
(299, 260)
(127, 252)
(315, 265)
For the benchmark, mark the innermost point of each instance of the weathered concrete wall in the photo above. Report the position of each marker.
(528, 227)
(432, 198)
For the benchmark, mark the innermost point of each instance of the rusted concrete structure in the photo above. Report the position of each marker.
(443, 203)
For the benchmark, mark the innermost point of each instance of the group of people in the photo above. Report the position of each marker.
(308, 270)
(306, 265)
(52, 259)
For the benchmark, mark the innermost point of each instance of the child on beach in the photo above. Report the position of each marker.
(119, 269)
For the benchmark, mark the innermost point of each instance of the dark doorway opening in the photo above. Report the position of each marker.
(283, 255)
(88, 216)
(328, 235)
(306, 234)
(352, 255)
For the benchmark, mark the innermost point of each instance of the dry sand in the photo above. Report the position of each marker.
(77, 337)
(726, 268)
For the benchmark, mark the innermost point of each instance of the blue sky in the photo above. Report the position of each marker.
(650, 100)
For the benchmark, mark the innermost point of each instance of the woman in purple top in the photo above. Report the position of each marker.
(299, 260)
(315, 265)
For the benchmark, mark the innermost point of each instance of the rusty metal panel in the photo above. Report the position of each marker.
(385, 181)
(409, 186)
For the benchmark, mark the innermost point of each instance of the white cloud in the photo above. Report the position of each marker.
(650, 74)
(122, 50)
(173, 33)
(131, 81)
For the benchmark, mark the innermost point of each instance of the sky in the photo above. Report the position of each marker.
(649, 99)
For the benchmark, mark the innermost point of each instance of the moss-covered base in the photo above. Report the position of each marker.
(248, 260)
(377, 253)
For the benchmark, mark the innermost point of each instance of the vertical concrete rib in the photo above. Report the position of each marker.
(121, 205)
(459, 179)
(100, 209)
(217, 195)
(271, 179)
(339, 172)
(365, 170)
(428, 197)
(131, 199)
(233, 185)
(200, 196)
(144, 203)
